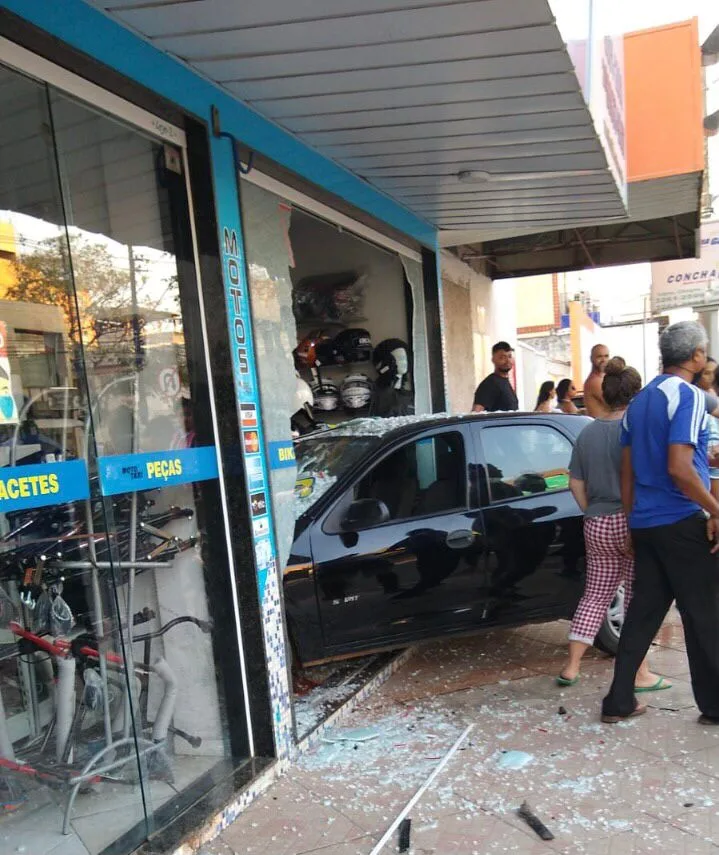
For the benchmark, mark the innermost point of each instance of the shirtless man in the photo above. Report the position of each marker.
(593, 398)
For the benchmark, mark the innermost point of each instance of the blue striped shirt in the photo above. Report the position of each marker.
(668, 411)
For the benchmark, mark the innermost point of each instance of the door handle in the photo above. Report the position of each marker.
(460, 539)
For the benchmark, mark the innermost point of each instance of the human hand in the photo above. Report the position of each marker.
(713, 457)
(713, 533)
(629, 546)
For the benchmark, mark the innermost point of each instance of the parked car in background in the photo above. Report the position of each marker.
(419, 527)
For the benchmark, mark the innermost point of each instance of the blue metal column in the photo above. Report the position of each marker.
(253, 448)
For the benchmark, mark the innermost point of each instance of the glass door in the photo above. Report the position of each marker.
(114, 617)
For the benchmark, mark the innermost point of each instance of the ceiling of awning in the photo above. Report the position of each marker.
(662, 226)
(408, 94)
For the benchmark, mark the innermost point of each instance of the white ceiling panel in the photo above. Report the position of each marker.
(408, 94)
(229, 36)
(418, 96)
(434, 113)
(560, 118)
(461, 162)
(428, 155)
(418, 74)
(183, 16)
(533, 40)
(507, 142)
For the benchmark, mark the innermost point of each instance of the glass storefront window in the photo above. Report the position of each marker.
(113, 711)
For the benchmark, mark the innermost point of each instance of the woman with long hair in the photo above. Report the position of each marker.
(594, 482)
(545, 398)
(565, 392)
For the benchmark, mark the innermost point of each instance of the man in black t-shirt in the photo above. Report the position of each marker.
(495, 392)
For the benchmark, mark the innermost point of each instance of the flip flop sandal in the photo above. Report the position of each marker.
(656, 687)
(640, 709)
(565, 681)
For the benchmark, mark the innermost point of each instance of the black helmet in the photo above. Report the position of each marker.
(352, 345)
(382, 358)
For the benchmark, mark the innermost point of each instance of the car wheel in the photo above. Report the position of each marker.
(608, 636)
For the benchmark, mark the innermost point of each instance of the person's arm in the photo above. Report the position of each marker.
(626, 480)
(684, 474)
(684, 430)
(579, 491)
(483, 396)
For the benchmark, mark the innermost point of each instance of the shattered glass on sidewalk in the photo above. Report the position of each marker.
(647, 785)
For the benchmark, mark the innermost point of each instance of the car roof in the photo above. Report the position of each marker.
(397, 426)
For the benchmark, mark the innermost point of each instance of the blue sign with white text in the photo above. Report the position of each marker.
(282, 455)
(244, 370)
(43, 484)
(128, 473)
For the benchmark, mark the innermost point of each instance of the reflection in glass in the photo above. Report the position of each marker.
(108, 687)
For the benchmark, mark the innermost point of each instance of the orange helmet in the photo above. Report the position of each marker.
(306, 350)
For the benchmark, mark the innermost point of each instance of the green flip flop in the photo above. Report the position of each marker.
(656, 687)
(564, 681)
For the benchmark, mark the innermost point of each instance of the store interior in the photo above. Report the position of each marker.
(352, 306)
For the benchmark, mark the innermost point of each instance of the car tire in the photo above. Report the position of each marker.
(607, 639)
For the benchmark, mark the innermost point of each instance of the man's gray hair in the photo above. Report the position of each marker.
(679, 341)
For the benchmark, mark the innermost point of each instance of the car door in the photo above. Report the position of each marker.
(416, 573)
(535, 547)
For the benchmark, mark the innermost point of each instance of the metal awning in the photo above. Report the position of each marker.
(662, 226)
(408, 94)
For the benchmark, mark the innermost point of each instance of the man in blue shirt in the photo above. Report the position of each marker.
(674, 522)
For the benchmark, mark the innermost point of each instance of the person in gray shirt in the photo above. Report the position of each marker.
(594, 482)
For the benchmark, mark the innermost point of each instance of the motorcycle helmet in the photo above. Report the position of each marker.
(383, 358)
(356, 391)
(352, 345)
(326, 396)
(306, 350)
(302, 420)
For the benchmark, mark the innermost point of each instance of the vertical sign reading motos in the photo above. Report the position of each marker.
(248, 405)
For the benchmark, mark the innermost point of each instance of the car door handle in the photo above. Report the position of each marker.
(460, 539)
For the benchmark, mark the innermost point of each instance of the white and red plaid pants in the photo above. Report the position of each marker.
(607, 568)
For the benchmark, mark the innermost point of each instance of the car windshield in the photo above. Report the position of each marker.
(321, 460)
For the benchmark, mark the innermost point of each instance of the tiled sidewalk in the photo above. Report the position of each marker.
(649, 785)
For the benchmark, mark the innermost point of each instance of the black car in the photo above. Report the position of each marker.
(413, 528)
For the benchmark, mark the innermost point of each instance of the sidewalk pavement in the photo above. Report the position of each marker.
(647, 785)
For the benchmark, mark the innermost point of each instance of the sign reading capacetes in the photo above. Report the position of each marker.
(44, 484)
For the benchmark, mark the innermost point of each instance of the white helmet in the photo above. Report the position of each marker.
(303, 396)
(326, 395)
(356, 391)
(302, 420)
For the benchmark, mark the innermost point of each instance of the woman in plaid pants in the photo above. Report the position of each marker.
(594, 482)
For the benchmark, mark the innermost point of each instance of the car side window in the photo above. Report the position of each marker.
(421, 478)
(525, 459)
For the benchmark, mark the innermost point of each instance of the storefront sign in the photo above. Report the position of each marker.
(23, 487)
(282, 455)
(606, 88)
(128, 473)
(689, 281)
(248, 404)
(8, 408)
